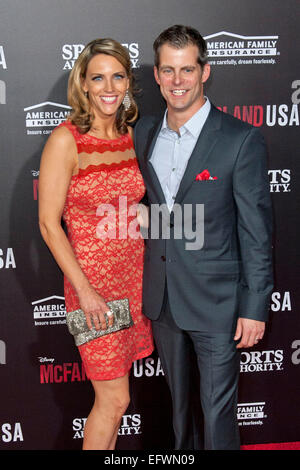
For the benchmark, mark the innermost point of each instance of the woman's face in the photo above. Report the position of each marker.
(106, 82)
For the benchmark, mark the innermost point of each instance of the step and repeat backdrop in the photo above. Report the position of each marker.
(254, 53)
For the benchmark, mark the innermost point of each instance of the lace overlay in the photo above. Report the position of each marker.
(112, 260)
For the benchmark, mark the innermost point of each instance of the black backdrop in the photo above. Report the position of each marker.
(254, 51)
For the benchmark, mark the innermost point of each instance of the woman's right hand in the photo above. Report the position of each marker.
(94, 308)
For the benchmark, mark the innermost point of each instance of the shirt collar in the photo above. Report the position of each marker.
(194, 125)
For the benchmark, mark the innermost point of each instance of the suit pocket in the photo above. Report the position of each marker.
(209, 190)
(218, 267)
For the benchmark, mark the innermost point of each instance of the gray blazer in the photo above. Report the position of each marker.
(231, 275)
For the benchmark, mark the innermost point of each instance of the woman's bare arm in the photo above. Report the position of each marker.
(58, 163)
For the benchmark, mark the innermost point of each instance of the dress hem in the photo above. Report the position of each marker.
(124, 372)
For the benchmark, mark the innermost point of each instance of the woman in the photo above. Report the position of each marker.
(88, 165)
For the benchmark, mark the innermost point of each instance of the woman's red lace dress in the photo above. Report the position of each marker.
(111, 259)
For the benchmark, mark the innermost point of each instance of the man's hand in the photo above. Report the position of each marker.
(249, 331)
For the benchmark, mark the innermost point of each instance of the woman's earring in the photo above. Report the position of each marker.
(126, 101)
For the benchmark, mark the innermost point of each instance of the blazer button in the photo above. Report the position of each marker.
(163, 258)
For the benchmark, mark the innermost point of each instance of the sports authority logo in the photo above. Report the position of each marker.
(130, 425)
(78, 426)
(261, 361)
(251, 414)
(42, 118)
(280, 180)
(226, 48)
(49, 311)
(134, 53)
(70, 52)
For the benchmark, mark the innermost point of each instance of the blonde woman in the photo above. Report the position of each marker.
(88, 165)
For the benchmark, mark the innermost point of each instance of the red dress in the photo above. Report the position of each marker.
(105, 237)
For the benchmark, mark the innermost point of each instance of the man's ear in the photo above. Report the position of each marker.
(205, 73)
(156, 76)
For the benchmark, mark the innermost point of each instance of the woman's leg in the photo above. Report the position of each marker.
(102, 425)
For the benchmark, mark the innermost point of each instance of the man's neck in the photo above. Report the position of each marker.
(177, 118)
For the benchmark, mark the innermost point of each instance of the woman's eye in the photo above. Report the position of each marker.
(119, 76)
(97, 78)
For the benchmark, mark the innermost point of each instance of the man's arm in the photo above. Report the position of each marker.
(254, 225)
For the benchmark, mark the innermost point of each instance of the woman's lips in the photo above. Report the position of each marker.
(109, 99)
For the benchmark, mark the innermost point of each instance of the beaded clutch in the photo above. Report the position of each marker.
(78, 327)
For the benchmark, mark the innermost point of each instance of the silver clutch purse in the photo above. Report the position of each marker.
(78, 327)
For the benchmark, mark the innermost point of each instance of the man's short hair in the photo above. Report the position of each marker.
(179, 36)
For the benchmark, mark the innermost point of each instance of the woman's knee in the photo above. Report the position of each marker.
(112, 399)
(114, 406)
(121, 403)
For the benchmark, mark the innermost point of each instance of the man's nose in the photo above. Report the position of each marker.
(177, 78)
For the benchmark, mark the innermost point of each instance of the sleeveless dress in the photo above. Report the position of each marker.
(104, 234)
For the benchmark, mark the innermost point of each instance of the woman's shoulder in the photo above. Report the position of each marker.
(62, 140)
(67, 128)
(65, 133)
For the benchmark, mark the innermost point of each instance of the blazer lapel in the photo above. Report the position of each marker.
(150, 173)
(204, 146)
(152, 137)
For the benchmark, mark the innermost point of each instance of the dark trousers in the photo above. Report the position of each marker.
(218, 365)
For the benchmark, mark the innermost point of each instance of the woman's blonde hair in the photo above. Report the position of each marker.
(81, 114)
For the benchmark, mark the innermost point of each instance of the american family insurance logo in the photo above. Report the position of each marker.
(49, 311)
(251, 414)
(226, 48)
(40, 119)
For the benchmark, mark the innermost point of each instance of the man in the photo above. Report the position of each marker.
(214, 297)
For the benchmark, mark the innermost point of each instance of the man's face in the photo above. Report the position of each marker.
(181, 78)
